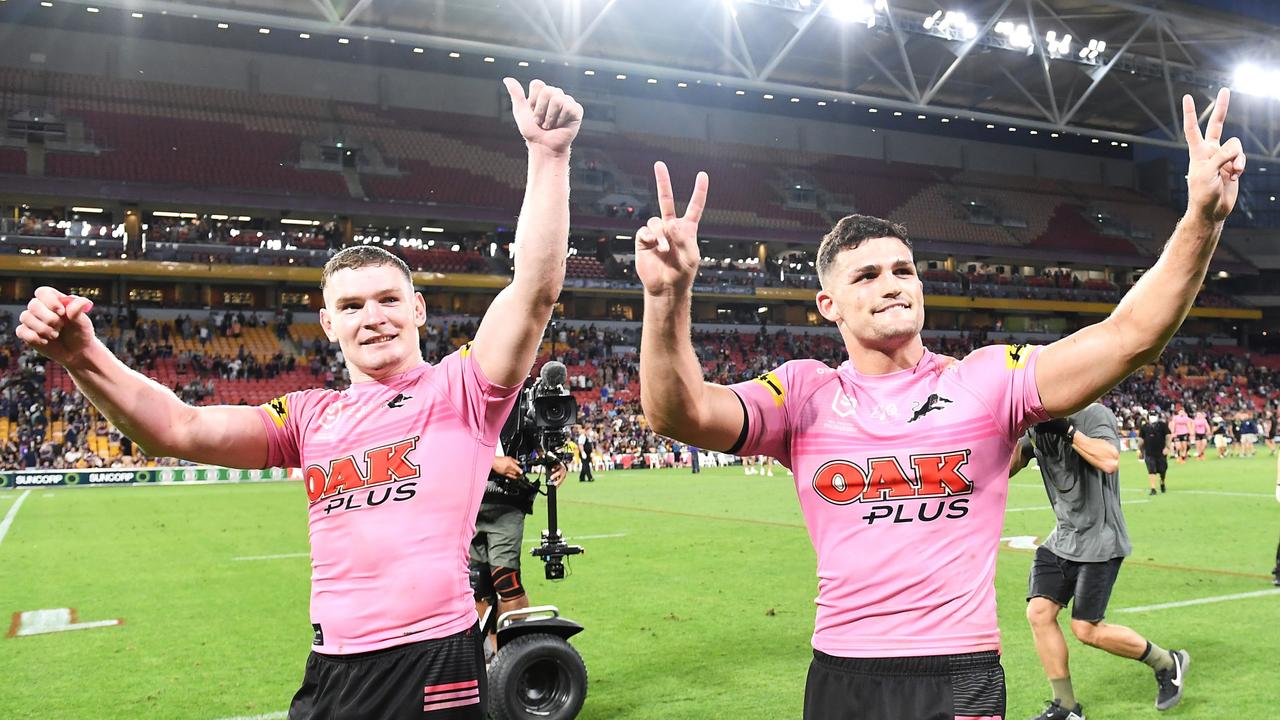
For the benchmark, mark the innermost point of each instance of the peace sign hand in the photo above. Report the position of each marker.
(1213, 173)
(547, 117)
(667, 254)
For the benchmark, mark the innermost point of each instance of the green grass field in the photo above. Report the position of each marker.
(699, 605)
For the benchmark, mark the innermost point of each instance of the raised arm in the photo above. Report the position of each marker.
(507, 341)
(676, 400)
(1078, 369)
(58, 327)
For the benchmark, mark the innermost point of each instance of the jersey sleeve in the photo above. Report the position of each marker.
(766, 428)
(1003, 377)
(282, 420)
(1097, 422)
(483, 405)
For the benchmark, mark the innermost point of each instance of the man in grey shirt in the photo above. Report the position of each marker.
(1079, 458)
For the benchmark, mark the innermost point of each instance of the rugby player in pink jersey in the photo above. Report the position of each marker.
(1200, 430)
(394, 466)
(1180, 424)
(901, 456)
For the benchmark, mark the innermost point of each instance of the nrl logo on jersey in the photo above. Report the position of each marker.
(843, 405)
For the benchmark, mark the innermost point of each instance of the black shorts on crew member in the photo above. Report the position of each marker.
(941, 687)
(441, 679)
(1157, 463)
(1063, 581)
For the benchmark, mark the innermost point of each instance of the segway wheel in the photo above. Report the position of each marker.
(537, 676)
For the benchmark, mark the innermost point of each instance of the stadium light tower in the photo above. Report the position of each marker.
(1253, 80)
(952, 25)
(857, 11)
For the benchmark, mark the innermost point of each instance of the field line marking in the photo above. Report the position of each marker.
(1201, 601)
(1050, 507)
(8, 517)
(1003, 548)
(273, 557)
(578, 537)
(659, 511)
(281, 715)
(1223, 493)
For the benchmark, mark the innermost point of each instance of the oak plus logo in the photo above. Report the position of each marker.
(882, 485)
(381, 476)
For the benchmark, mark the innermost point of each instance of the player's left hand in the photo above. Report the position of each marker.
(557, 474)
(1214, 168)
(546, 117)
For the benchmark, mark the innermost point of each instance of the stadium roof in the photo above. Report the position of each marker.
(909, 55)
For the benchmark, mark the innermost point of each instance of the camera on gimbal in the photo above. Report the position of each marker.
(544, 413)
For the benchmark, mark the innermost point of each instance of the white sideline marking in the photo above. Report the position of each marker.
(1020, 542)
(8, 517)
(1201, 601)
(580, 537)
(1050, 507)
(1220, 492)
(267, 716)
(1040, 486)
(282, 556)
(41, 622)
(274, 557)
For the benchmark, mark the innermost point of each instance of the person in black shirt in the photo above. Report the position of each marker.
(1152, 445)
(1221, 435)
(586, 446)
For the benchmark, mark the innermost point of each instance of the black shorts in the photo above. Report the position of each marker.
(1087, 583)
(1157, 463)
(441, 679)
(942, 687)
(1182, 438)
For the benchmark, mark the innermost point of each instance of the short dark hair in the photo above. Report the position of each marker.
(358, 256)
(852, 231)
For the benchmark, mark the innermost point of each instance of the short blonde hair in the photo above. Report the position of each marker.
(359, 256)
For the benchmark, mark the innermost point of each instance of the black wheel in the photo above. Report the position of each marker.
(537, 676)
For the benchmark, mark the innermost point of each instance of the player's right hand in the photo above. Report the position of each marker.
(507, 467)
(56, 325)
(667, 255)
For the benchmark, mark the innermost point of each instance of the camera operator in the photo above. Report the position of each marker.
(508, 498)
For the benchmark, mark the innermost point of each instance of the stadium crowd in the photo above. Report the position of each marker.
(205, 239)
(1232, 389)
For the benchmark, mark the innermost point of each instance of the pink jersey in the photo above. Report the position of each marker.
(394, 472)
(902, 479)
(1200, 426)
(1181, 424)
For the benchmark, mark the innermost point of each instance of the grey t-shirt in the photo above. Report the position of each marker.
(1086, 500)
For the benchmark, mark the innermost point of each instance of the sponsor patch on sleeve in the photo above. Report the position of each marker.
(466, 349)
(770, 380)
(278, 409)
(1015, 356)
